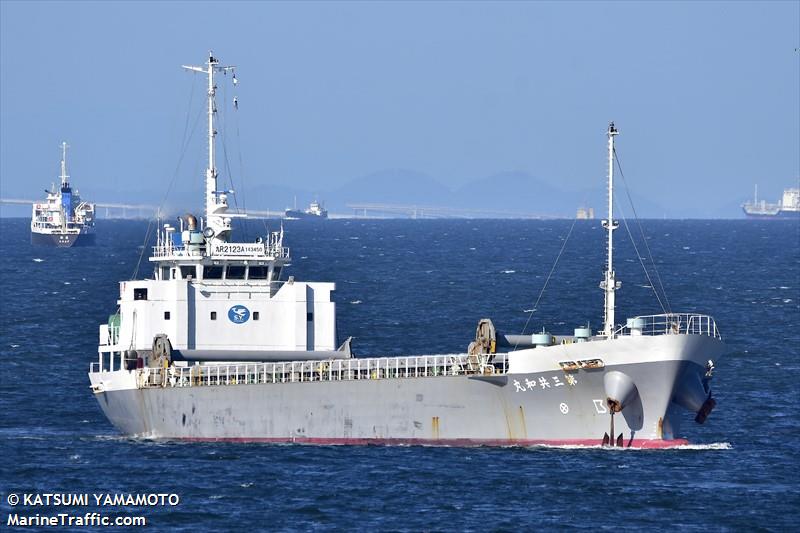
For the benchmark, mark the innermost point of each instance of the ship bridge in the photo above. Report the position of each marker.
(191, 255)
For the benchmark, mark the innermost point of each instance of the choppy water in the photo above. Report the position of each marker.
(417, 287)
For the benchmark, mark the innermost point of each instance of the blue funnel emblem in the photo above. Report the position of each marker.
(238, 314)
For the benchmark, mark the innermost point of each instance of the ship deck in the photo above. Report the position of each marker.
(211, 374)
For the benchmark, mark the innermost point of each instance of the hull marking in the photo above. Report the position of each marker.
(600, 406)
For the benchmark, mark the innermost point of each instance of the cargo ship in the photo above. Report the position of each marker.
(788, 207)
(217, 346)
(63, 219)
(315, 211)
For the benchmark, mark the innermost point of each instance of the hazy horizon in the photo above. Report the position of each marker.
(502, 105)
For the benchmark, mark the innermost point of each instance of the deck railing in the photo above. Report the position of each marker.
(314, 371)
(671, 324)
(168, 249)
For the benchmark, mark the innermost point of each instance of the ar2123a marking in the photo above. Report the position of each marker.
(238, 249)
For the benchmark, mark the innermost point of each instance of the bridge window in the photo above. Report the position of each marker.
(258, 272)
(276, 274)
(140, 294)
(164, 272)
(188, 272)
(235, 272)
(212, 272)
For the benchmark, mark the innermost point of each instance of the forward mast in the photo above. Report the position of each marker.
(610, 284)
(64, 176)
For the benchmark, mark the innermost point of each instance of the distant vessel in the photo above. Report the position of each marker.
(314, 211)
(216, 347)
(64, 219)
(788, 207)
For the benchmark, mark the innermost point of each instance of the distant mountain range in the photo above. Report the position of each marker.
(517, 193)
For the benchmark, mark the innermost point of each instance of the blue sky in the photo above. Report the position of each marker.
(704, 93)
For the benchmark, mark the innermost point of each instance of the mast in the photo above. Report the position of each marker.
(216, 201)
(610, 284)
(64, 177)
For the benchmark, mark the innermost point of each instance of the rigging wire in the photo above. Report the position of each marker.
(185, 145)
(667, 308)
(547, 280)
(228, 171)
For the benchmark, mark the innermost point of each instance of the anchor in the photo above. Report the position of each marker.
(613, 407)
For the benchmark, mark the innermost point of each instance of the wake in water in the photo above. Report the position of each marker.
(695, 447)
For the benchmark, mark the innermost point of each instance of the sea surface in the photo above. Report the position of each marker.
(420, 287)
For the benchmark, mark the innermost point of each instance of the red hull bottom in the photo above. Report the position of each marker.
(637, 443)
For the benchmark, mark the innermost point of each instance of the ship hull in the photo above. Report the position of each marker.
(296, 214)
(543, 407)
(780, 215)
(62, 240)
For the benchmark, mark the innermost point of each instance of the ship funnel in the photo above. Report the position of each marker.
(191, 222)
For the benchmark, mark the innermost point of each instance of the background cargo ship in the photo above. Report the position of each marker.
(64, 219)
(788, 207)
(315, 211)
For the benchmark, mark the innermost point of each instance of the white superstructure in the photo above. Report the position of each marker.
(211, 298)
